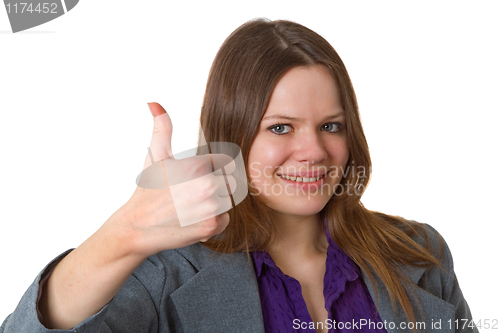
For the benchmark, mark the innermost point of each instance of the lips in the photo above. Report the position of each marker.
(306, 176)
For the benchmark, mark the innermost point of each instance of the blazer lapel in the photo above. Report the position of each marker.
(222, 297)
(435, 311)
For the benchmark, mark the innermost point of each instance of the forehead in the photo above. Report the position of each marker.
(303, 90)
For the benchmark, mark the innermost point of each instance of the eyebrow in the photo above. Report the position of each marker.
(280, 116)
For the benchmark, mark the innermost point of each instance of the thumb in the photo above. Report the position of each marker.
(160, 147)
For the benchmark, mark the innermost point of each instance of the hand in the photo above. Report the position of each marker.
(190, 206)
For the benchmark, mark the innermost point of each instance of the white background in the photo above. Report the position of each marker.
(74, 124)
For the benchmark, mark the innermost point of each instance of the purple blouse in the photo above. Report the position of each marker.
(349, 304)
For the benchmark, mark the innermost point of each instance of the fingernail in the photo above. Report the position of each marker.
(158, 110)
(149, 106)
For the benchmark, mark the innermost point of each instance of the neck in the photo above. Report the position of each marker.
(298, 239)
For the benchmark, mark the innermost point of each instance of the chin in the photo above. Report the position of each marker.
(300, 207)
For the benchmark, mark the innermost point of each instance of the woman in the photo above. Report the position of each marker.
(280, 92)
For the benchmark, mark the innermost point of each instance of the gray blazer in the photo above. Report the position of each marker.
(193, 289)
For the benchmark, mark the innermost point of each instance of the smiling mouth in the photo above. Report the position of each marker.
(302, 179)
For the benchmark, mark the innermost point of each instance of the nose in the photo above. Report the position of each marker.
(310, 148)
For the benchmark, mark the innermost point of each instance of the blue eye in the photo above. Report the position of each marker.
(279, 128)
(332, 127)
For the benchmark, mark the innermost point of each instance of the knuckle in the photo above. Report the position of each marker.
(232, 183)
(200, 166)
(197, 166)
(207, 188)
(157, 129)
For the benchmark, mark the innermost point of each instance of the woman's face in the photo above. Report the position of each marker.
(302, 137)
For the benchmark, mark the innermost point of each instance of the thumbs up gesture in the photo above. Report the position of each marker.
(178, 202)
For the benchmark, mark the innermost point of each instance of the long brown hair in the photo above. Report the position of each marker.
(244, 73)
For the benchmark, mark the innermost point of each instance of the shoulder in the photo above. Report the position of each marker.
(424, 235)
(435, 279)
(429, 238)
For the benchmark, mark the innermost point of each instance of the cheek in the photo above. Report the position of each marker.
(340, 152)
(264, 158)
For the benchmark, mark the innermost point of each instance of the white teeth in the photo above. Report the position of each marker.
(301, 179)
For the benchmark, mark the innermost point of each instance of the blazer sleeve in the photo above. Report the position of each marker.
(451, 292)
(131, 310)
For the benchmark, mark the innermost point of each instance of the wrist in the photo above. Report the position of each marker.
(122, 237)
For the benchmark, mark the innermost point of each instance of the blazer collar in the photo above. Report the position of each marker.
(231, 304)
